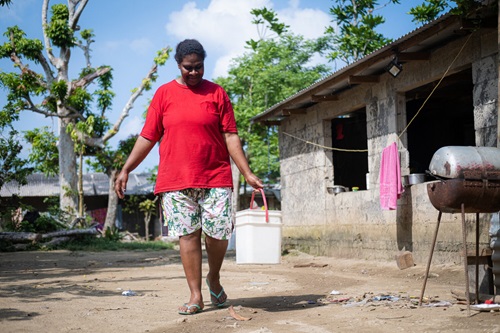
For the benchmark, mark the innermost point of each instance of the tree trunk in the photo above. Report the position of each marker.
(72, 232)
(20, 236)
(147, 219)
(80, 186)
(67, 170)
(112, 202)
(34, 237)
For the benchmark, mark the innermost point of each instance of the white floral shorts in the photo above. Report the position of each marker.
(188, 210)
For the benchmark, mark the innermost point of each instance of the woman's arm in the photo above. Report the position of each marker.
(233, 144)
(141, 149)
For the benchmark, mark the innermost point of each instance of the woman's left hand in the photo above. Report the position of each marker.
(254, 181)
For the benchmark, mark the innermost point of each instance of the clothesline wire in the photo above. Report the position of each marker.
(326, 147)
(407, 125)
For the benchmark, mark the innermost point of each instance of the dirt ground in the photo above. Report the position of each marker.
(82, 292)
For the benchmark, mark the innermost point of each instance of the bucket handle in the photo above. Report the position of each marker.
(265, 202)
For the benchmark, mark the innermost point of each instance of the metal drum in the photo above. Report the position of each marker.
(453, 161)
(469, 176)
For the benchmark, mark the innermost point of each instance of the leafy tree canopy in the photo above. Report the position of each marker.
(356, 35)
(12, 167)
(431, 9)
(44, 154)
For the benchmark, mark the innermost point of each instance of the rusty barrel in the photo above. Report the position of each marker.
(468, 176)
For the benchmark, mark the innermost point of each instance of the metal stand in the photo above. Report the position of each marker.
(466, 271)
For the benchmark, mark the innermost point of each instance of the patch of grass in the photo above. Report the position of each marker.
(94, 244)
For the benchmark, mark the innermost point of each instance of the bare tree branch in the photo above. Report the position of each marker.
(87, 79)
(75, 16)
(130, 103)
(46, 68)
(32, 107)
(45, 113)
(75, 113)
(48, 47)
(94, 142)
(100, 142)
(43, 62)
(25, 69)
(86, 53)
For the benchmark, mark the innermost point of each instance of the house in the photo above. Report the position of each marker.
(446, 94)
(95, 189)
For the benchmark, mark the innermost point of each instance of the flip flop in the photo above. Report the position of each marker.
(217, 296)
(197, 309)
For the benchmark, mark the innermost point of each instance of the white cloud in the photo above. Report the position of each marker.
(310, 23)
(223, 62)
(224, 26)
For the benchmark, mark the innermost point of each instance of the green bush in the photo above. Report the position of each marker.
(43, 224)
(113, 234)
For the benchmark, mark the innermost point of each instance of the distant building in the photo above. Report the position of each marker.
(95, 190)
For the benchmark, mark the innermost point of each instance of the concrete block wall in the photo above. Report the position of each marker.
(352, 224)
(485, 98)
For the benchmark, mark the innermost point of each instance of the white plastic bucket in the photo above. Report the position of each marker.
(258, 235)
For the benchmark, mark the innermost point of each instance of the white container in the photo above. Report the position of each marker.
(258, 235)
(258, 241)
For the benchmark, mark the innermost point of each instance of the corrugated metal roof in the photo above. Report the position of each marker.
(420, 39)
(94, 184)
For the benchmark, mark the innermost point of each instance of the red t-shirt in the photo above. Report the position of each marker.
(190, 123)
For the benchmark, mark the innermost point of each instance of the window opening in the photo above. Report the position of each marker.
(349, 132)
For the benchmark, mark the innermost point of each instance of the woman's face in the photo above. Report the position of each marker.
(191, 69)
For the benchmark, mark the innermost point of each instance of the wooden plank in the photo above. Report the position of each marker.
(289, 112)
(359, 79)
(411, 56)
(324, 98)
(295, 111)
(271, 122)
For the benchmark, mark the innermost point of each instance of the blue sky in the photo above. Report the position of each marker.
(128, 34)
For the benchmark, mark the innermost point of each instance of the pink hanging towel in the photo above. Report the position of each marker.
(390, 178)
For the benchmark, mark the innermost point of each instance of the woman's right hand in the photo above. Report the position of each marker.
(141, 149)
(121, 184)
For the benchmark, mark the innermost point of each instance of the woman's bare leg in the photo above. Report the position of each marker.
(190, 250)
(216, 250)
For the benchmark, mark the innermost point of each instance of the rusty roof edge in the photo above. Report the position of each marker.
(342, 74)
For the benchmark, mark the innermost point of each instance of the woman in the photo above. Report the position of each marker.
(194, 121)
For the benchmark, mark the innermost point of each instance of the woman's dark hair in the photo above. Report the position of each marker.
(189, 46)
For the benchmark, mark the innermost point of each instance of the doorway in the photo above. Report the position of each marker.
(447, 119)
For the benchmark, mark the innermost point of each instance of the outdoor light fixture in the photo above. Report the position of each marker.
(394, 67)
